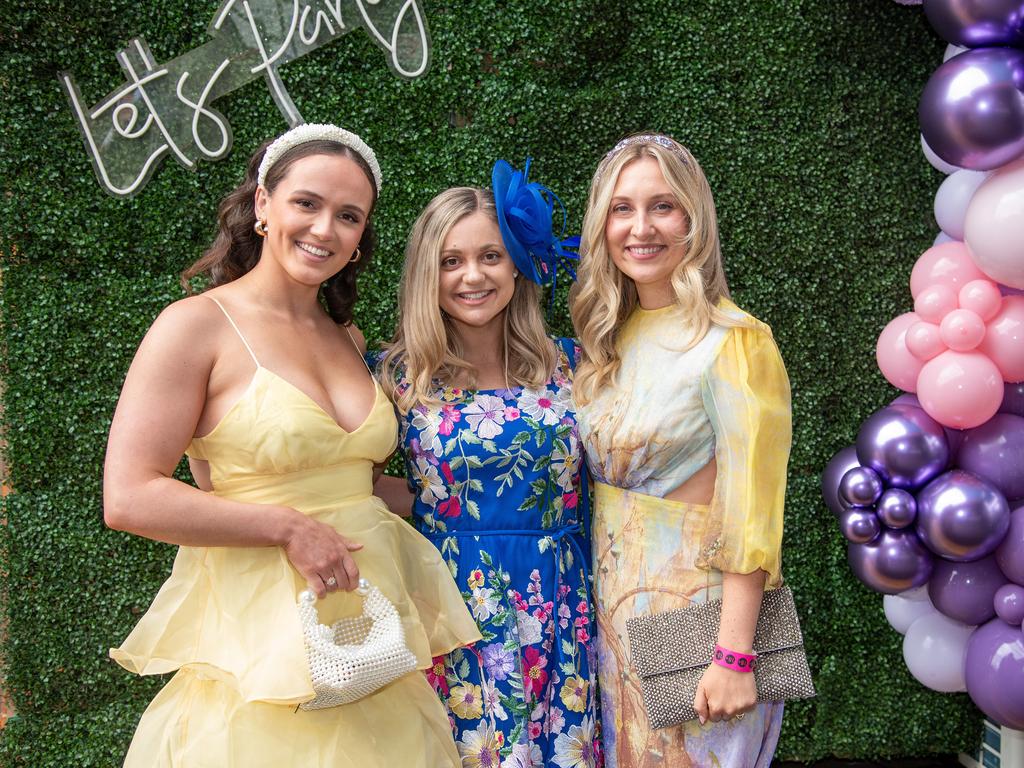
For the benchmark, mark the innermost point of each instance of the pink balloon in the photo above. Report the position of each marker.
(981, 297)
(1004, 339)
(994, 226)
(949, 264)
(934, 302)
(960, 389)
(962, 330)
(894, 359)
(923, 341)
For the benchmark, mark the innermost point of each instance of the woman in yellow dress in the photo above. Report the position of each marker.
(684, 411)
(268, 394)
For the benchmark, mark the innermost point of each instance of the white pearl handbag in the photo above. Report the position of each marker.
(355, 656)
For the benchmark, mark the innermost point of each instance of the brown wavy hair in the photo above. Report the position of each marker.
(237, 248)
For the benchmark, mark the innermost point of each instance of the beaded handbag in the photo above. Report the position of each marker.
(671, 650)
(355, 656)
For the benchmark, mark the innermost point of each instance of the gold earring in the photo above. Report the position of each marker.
(356, 256)
(261, 227)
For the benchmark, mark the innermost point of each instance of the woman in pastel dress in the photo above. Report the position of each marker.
(489, 438)
(286, 435)
(683, 406)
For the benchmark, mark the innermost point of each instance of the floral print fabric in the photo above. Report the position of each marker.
(499, 490)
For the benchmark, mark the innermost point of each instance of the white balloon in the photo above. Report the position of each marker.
(942, 238)
(951, 51)
(937, 162)
(952, 199)
(994, 226)
(902, 611)
(935, 651)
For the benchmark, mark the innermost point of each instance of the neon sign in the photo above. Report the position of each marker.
(164, 109)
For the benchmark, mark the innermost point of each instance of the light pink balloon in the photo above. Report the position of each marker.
(994, 225)
(923, 341)
(949, 264)
(935, 302)
(981, 297)
(1004, 339)
(960, 389)
(962, 330)
(894, 359)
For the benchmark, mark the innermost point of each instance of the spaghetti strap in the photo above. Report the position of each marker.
(246, 343)
(361, 356)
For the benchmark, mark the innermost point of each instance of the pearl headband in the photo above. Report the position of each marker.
(307, 132)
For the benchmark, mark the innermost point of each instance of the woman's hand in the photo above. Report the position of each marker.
(321, 556)
(723, 694)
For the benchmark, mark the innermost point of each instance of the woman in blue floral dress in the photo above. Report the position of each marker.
(493, 458)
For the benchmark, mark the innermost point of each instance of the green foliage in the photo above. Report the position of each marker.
(802, 112)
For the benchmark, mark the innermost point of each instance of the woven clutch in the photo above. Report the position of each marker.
(356, 656)
(671, 650)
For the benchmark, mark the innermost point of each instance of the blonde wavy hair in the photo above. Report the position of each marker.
(427, 345)
(603, 297)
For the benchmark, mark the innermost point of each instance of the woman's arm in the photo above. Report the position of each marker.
(395, 493)
(162, 399)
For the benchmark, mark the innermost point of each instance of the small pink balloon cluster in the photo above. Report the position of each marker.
(963, 340)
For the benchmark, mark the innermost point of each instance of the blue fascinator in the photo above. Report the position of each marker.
(525, 210)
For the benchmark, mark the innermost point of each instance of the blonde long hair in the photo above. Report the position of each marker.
(603, 298)
(427, 344)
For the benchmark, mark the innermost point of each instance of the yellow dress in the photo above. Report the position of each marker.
(226, 618)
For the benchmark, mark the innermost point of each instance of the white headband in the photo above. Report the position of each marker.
(306, 132)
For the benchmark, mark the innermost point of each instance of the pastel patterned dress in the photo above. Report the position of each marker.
(667, 414)
(501, 493)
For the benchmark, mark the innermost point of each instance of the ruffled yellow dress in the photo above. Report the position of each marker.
(226, 618)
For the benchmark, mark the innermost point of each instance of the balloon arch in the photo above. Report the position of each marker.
(930, 497)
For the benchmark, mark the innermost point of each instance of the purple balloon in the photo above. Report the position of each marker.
(995, 452)
(860, 487)
(953, 436)
(1010, 552)
(1013, 399)
(975, 24)
(995, 672)
(897, 508)
(894, 562)
(972, 110)
(859, 525)
(961, 517)
(904, 445)
(1009, 604)
(837, 466)
(966, 591)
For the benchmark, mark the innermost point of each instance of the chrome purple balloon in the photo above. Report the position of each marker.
(837, 466)
(966, 591)
(1013, 399)
(995, 672)
(1010, 552)
(897, 508)
(1009, 604)
(859, 525)
(995, 452)
(953, 436)
(894, 562)
(972, 109)
(961, 517)
(860, 487)
(904, 445)
(977, 23)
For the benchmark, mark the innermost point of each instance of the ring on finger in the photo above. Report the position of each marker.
(331, 582)
(740, 715)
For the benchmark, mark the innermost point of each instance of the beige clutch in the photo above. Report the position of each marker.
(671, 650)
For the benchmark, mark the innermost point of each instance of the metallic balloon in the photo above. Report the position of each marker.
(859, 525)
(953, 436)
(860, 487)
(995, 672)
(995, 452)
(904, 445)
(966, 591)
(1013, 399)
(977, 24)
(837, 466)
(1010, 552)
(961, 517)
(897, 508)
(894, 562)
(1009, 604)
(971, 112)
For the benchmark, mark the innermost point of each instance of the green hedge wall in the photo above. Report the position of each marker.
(802, 112)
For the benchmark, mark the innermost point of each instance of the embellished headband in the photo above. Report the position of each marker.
(301, 134)
(646, 138)
(525, 209)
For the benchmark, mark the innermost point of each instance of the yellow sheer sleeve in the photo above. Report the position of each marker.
(747, 397)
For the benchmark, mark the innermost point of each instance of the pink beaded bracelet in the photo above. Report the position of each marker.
(738, 662)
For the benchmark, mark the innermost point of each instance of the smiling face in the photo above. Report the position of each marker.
(315, 216)
(646, 230)
(476, 276)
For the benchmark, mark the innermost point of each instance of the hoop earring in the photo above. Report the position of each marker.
(356, 256)
(261, 227)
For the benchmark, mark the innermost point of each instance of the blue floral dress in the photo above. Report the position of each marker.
(501, 492)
